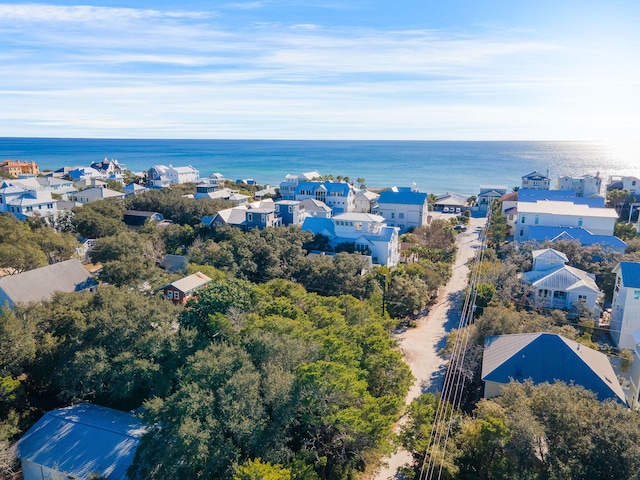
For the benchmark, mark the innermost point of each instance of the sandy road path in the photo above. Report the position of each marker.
(420, 345)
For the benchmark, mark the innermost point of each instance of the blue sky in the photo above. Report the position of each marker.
(327, 69)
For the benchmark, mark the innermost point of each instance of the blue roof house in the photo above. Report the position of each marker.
(404, 208)
(625, 307)
(339, 196)
(547, 357)
(80, 442)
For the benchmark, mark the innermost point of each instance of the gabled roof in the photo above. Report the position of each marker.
(83, 440)
(402, 197)
(535, 175)
(547, 357)
(313, 205)
(324, 226)
(369, 195)
(564, 279)
(510, 197)
(540, 233)
(42, 283)
(232, 216)
(360, 217)
(549, 252)
(332, 188)
(190, 283)
(630, 273)
(454, 199)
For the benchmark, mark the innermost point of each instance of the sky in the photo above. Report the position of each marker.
(322, 69)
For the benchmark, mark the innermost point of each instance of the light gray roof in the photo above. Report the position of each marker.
(565, 208)
(192, 282)
(42, 283)
(360, 217)
(536, 253)
(565, 279)
(83, 440)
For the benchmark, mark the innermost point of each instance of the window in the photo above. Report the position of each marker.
(523, 217)
(400, 215)
(169, 294)
(510, 217)
(582, 298)
(263, 218)
(250, 217)
(521, 232)
(560, 295)
(290, 208)
(393, 214)
(580, 222)
(536, 220)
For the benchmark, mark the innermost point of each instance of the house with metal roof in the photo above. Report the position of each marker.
(26, 198)
(181, 290)
(290, 183)
(41, 283)
(547, 358)
(584, 186)
(339, 196)
(539, 233)
(625, 306)
(553, 284)
(598, 221)
(80, 442)
(403, 207)
(368, 232)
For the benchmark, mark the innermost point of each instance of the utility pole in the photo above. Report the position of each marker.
(384, 292)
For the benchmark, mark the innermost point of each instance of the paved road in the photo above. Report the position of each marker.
(420, 345)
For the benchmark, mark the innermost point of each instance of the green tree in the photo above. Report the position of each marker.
(259, 470)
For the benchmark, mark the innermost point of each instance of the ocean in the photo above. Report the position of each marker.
(435, 166)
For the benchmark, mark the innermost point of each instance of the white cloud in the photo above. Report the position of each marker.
(37, 12)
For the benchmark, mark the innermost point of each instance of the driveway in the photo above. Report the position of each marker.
(420, 345)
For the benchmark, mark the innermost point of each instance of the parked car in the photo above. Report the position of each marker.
(460, 228)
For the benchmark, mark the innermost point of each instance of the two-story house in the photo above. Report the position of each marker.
(625, 307)
(536, 181)
(489, 193)
(597, 220)
(290, 183)
(368, 232)
(291, 212)
(403, 207)
(553, 284)
(585, 186)
(24, 201)
(339, 196)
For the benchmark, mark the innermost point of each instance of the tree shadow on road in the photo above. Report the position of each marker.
(456, 300)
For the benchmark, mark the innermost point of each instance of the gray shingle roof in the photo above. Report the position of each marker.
(42, 283)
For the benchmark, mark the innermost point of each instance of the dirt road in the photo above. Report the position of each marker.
(420, 345)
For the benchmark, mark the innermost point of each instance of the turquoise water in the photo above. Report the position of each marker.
(435, 166)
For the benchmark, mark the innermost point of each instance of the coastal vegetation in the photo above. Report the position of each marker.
(283, 366)
(530, 431)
